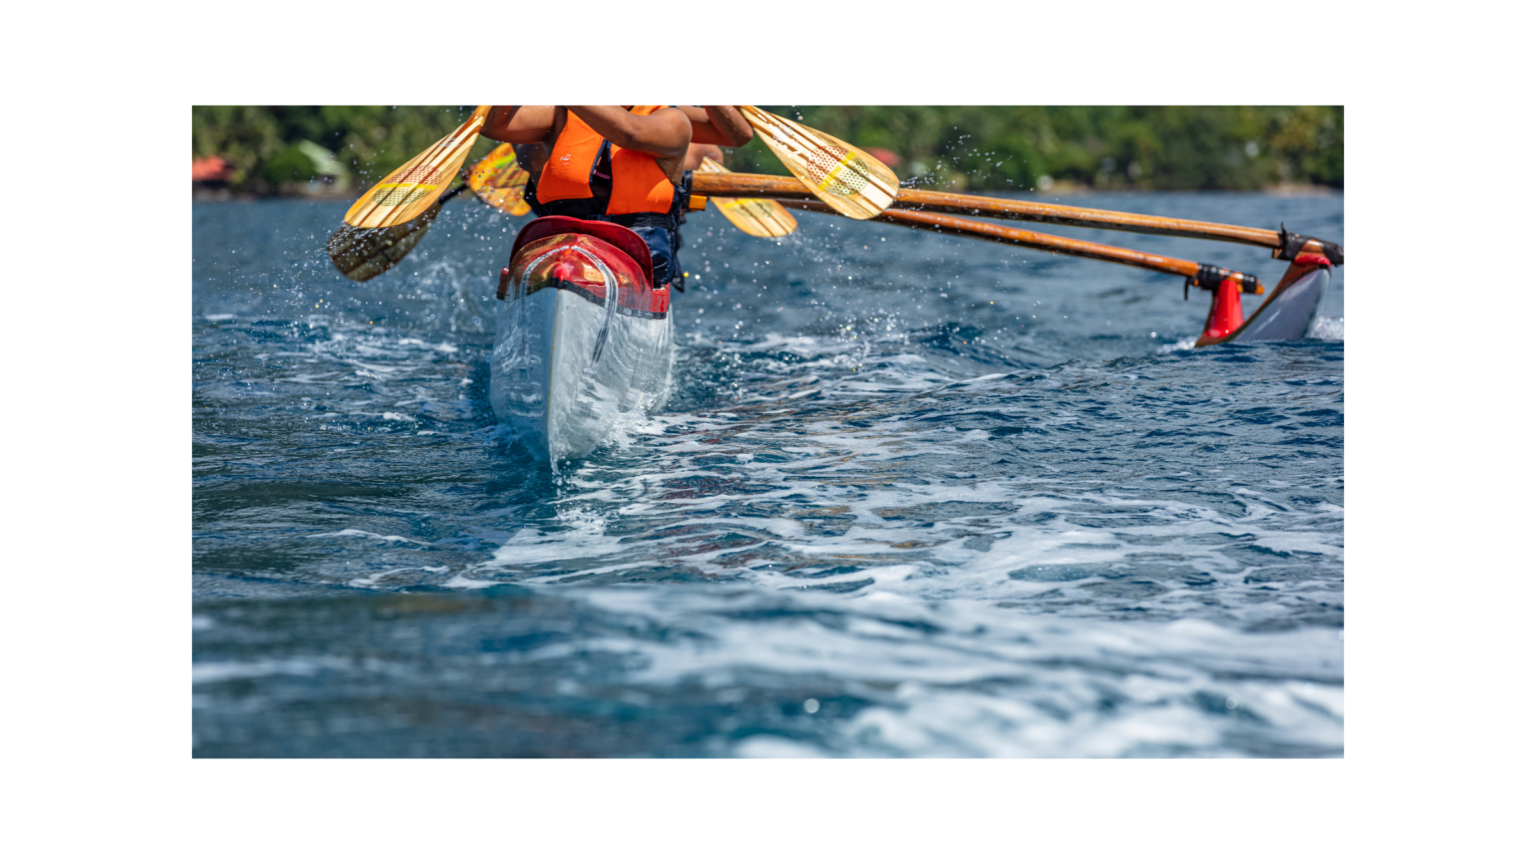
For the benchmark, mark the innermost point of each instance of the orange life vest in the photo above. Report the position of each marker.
(637, 182)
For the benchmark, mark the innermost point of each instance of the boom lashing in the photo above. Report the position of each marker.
(1292, 244)
(1209, 277)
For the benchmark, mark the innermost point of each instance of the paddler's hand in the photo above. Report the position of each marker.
(730, 123)
(721, 125)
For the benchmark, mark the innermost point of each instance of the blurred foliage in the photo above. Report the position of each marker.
(996, 147)
(370, 140)
(971, 147)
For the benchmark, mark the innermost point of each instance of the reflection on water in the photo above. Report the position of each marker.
(912, 495)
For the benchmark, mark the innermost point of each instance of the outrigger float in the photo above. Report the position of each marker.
(585, 338)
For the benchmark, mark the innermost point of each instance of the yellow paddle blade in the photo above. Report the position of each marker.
(363, 253)
(851, 181)
(499, 181)
(411, 188)
(756, 216)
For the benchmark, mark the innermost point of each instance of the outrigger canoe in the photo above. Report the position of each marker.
(582, 336)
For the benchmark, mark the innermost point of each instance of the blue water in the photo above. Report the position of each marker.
(912, 496)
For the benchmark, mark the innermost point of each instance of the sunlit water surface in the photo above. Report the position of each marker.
(912, 496)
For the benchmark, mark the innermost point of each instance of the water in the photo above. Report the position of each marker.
(912, 496)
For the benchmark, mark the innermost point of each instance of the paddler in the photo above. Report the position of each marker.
(617, 163)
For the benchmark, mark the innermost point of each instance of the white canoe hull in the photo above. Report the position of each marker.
(563, 384)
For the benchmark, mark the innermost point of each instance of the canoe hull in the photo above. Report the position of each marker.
(582, 343)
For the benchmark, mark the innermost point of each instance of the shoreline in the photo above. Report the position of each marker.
(205, 194)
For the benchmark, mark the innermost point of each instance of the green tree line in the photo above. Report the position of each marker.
(273, 149)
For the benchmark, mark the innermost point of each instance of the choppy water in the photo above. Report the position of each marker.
(913, 496)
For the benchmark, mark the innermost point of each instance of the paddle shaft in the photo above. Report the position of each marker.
(790, 189)
(943, 224)
(787, 188)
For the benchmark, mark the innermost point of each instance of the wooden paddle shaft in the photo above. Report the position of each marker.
(943, 224)
(788, 188)
(1357, 255)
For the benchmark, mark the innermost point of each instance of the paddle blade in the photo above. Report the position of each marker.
(851, 181)
(413, 187)
(363, 253)
(756, 216)
(499, 181)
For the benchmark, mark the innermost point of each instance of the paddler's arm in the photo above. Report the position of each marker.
(718, 124)
(663, 134)
(519, 124)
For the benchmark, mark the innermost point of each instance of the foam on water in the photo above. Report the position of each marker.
(946, 502)
(1327, 328)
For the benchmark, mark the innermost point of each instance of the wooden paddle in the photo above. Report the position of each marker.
(499, 181)
(363, 253)
(413, 187)
(851, 181)
(756, 216)
(1204, 275)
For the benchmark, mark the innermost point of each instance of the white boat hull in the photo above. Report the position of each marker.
(562, 383)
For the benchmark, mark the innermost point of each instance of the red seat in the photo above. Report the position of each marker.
(618, 236)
